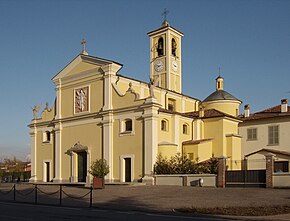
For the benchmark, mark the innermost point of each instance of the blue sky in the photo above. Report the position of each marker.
(249, 40)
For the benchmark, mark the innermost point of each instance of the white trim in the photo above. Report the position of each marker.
(122, 166)
(81, 122)
(44, 170)
(122, 126)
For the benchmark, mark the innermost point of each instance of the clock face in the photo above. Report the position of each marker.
(159, 66)
(174, 66)
(81, 99)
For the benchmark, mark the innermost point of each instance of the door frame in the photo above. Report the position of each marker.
(44, 170)
(123, 169)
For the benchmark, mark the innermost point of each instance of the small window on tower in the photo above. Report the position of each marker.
(160, 47)
(171, 104)
(164, 125)
(185, 129)
(173, 47)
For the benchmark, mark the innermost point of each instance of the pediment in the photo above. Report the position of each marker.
(80, 66)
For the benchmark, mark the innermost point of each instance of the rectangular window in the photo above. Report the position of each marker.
(252, 134)
(171, 104)
(273, 135)
(281, 166)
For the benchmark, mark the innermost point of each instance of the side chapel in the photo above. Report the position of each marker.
(99, 113)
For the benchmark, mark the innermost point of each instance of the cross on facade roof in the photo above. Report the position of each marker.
(83, 43)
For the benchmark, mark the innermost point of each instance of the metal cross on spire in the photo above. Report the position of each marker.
(164, 14)
(83, 43)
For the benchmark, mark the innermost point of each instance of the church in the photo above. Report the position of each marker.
(99, 113)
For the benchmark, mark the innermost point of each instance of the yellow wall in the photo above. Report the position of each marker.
(124, 144)
(44, 152)
(88, 134)
(167, 151)
(213, 128)
(201, 151)
(234, 152)
(228, 107)
(67, 96)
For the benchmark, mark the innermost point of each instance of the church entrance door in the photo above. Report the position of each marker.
(82, 166)
(127, 169)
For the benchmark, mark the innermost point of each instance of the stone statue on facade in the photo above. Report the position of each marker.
(151, 87)
(35, 110)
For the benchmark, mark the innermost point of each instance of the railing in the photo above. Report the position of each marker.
(36, 191)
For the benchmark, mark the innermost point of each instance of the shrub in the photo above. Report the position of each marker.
(182, 165)
(99, 168)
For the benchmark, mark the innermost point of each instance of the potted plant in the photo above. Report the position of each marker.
(99, 169)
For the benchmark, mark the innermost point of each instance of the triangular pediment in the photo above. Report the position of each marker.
(82, 65)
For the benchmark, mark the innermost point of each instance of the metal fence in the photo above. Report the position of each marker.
(36, 194)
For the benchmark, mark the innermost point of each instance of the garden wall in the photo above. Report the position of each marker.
(281, 180)
(209, 180)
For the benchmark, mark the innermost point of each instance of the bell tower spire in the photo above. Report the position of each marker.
(165, 56)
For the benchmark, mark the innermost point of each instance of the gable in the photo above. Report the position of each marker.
(81, 66)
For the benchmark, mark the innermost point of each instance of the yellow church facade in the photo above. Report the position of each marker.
(99, 113)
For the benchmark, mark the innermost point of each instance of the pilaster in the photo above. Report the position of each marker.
(58, 99)
(108, 143)
(110, 71)
(33, 143)
(150, 117)
(58, 154)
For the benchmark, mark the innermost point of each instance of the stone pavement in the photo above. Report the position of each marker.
(163, 198)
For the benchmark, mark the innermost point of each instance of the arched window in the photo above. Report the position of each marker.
(164, 125)
(185, 129)
(46, 136)
(173, 47)
(160, 47)
(128, 125)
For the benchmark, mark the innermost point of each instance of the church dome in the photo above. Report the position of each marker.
(220, 95)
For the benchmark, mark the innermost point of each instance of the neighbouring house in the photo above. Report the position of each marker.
(99, 113)
(266, 132)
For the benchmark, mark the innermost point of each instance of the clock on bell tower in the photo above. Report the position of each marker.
(165, 57)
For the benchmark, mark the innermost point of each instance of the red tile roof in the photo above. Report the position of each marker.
(268, 113)
(195, 114)
(285, 153)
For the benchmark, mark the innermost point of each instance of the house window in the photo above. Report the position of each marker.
(185, 129)
(171, 104)
(128, 125)
(252, 134)
(273, 135)
(46, 136)
(281, 166)
(164, 125)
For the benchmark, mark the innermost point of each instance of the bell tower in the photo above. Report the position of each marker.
(165, 57)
